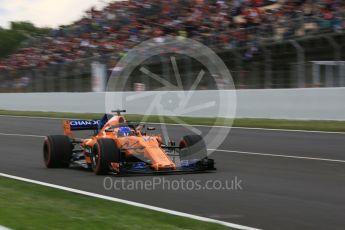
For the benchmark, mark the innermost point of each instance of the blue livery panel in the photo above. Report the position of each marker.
(85, 124)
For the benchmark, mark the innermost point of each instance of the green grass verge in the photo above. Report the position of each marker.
(28, 206)
(314, 125)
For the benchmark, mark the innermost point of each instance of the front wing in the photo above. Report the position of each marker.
(186, 166)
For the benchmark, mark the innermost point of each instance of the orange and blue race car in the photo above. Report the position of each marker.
(118, 146)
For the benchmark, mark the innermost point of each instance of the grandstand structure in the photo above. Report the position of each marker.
(265, 44)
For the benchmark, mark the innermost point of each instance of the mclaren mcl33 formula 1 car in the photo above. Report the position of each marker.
(118, 146)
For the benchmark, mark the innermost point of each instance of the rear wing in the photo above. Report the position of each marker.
(77, 125)
(84, 124)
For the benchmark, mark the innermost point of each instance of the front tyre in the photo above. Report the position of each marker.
(104, 152)
(193, 145)
(57, 151)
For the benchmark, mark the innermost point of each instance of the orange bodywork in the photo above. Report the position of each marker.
(137, 144)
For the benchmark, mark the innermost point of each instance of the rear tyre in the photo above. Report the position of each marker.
(104, 152)
(57, 151)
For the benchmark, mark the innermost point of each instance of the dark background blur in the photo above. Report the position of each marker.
(264, 43)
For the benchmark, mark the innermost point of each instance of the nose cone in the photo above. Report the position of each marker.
(159, 167)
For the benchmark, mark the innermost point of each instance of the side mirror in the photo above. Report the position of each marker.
(109, 130)
(151, 128)
(140, 127)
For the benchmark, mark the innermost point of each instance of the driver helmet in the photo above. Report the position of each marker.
(124, 131)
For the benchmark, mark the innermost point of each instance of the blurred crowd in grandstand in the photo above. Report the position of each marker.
(221, 23)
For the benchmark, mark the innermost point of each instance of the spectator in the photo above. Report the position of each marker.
(229, 24)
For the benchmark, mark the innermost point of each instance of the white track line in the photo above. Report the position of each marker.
(208, 126)
(3, 228)
(176, 213)
(32, 117)
(277, 155)
(21, 135)
(245, 128)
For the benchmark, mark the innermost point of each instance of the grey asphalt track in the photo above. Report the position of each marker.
(277, 192)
